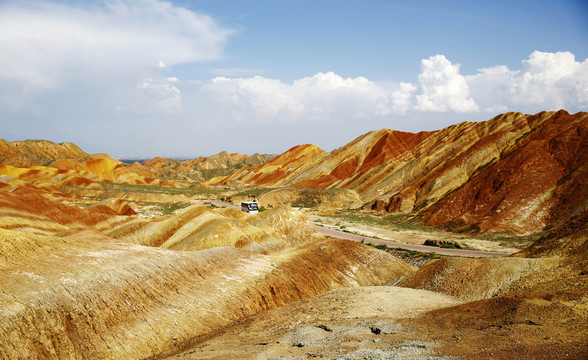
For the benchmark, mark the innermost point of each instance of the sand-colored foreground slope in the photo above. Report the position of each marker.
(202, 228)
(508, 308)
(557, 262)
(514, 173)
(549, 325)
(528, 308)
(349, 323)
(394, 323)
(79, 283)
(85, 296)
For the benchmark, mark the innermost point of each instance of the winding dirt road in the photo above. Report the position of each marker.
(391, 244)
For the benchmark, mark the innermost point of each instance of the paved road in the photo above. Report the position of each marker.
(421, 248)
(392, 244)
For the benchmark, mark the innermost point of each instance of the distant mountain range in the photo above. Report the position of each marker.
(69, 156)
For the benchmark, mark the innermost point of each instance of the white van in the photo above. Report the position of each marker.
(250, 207)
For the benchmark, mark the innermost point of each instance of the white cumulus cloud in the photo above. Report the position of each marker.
(162, 95)
(547, 81)
(442, 87)
(322, 96)
(112, 44)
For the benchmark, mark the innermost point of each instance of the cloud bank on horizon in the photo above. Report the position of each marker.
(547, 81)
(112, 70)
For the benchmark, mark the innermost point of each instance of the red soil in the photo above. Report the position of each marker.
(549, 163)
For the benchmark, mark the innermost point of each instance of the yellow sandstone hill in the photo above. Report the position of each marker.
(65, 164)
(38, 152)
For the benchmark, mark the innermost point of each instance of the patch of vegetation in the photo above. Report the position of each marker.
(208, 174)
(518, 242)
(409, 222)
(392, 222)
(151, 189)
(170, 207)
(381, 246)
(416, 254)
(359, 218)
(309, 198)
(257, 192)
(449, 246)
(212, 206)
(415, 258)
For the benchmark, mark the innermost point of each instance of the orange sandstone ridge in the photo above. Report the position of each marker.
(38, 152)
(515, 173)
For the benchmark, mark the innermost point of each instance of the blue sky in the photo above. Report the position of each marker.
(189, 78)
(385, 40)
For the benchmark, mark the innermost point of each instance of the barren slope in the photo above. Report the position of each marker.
(515, 173)
(87, 296)
(541, 181)
(349, 323)
(75, 283)
(279, 170)
(557, 262)
(523, 308)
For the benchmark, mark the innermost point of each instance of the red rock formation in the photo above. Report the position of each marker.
(514, 173)
(540, 181)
